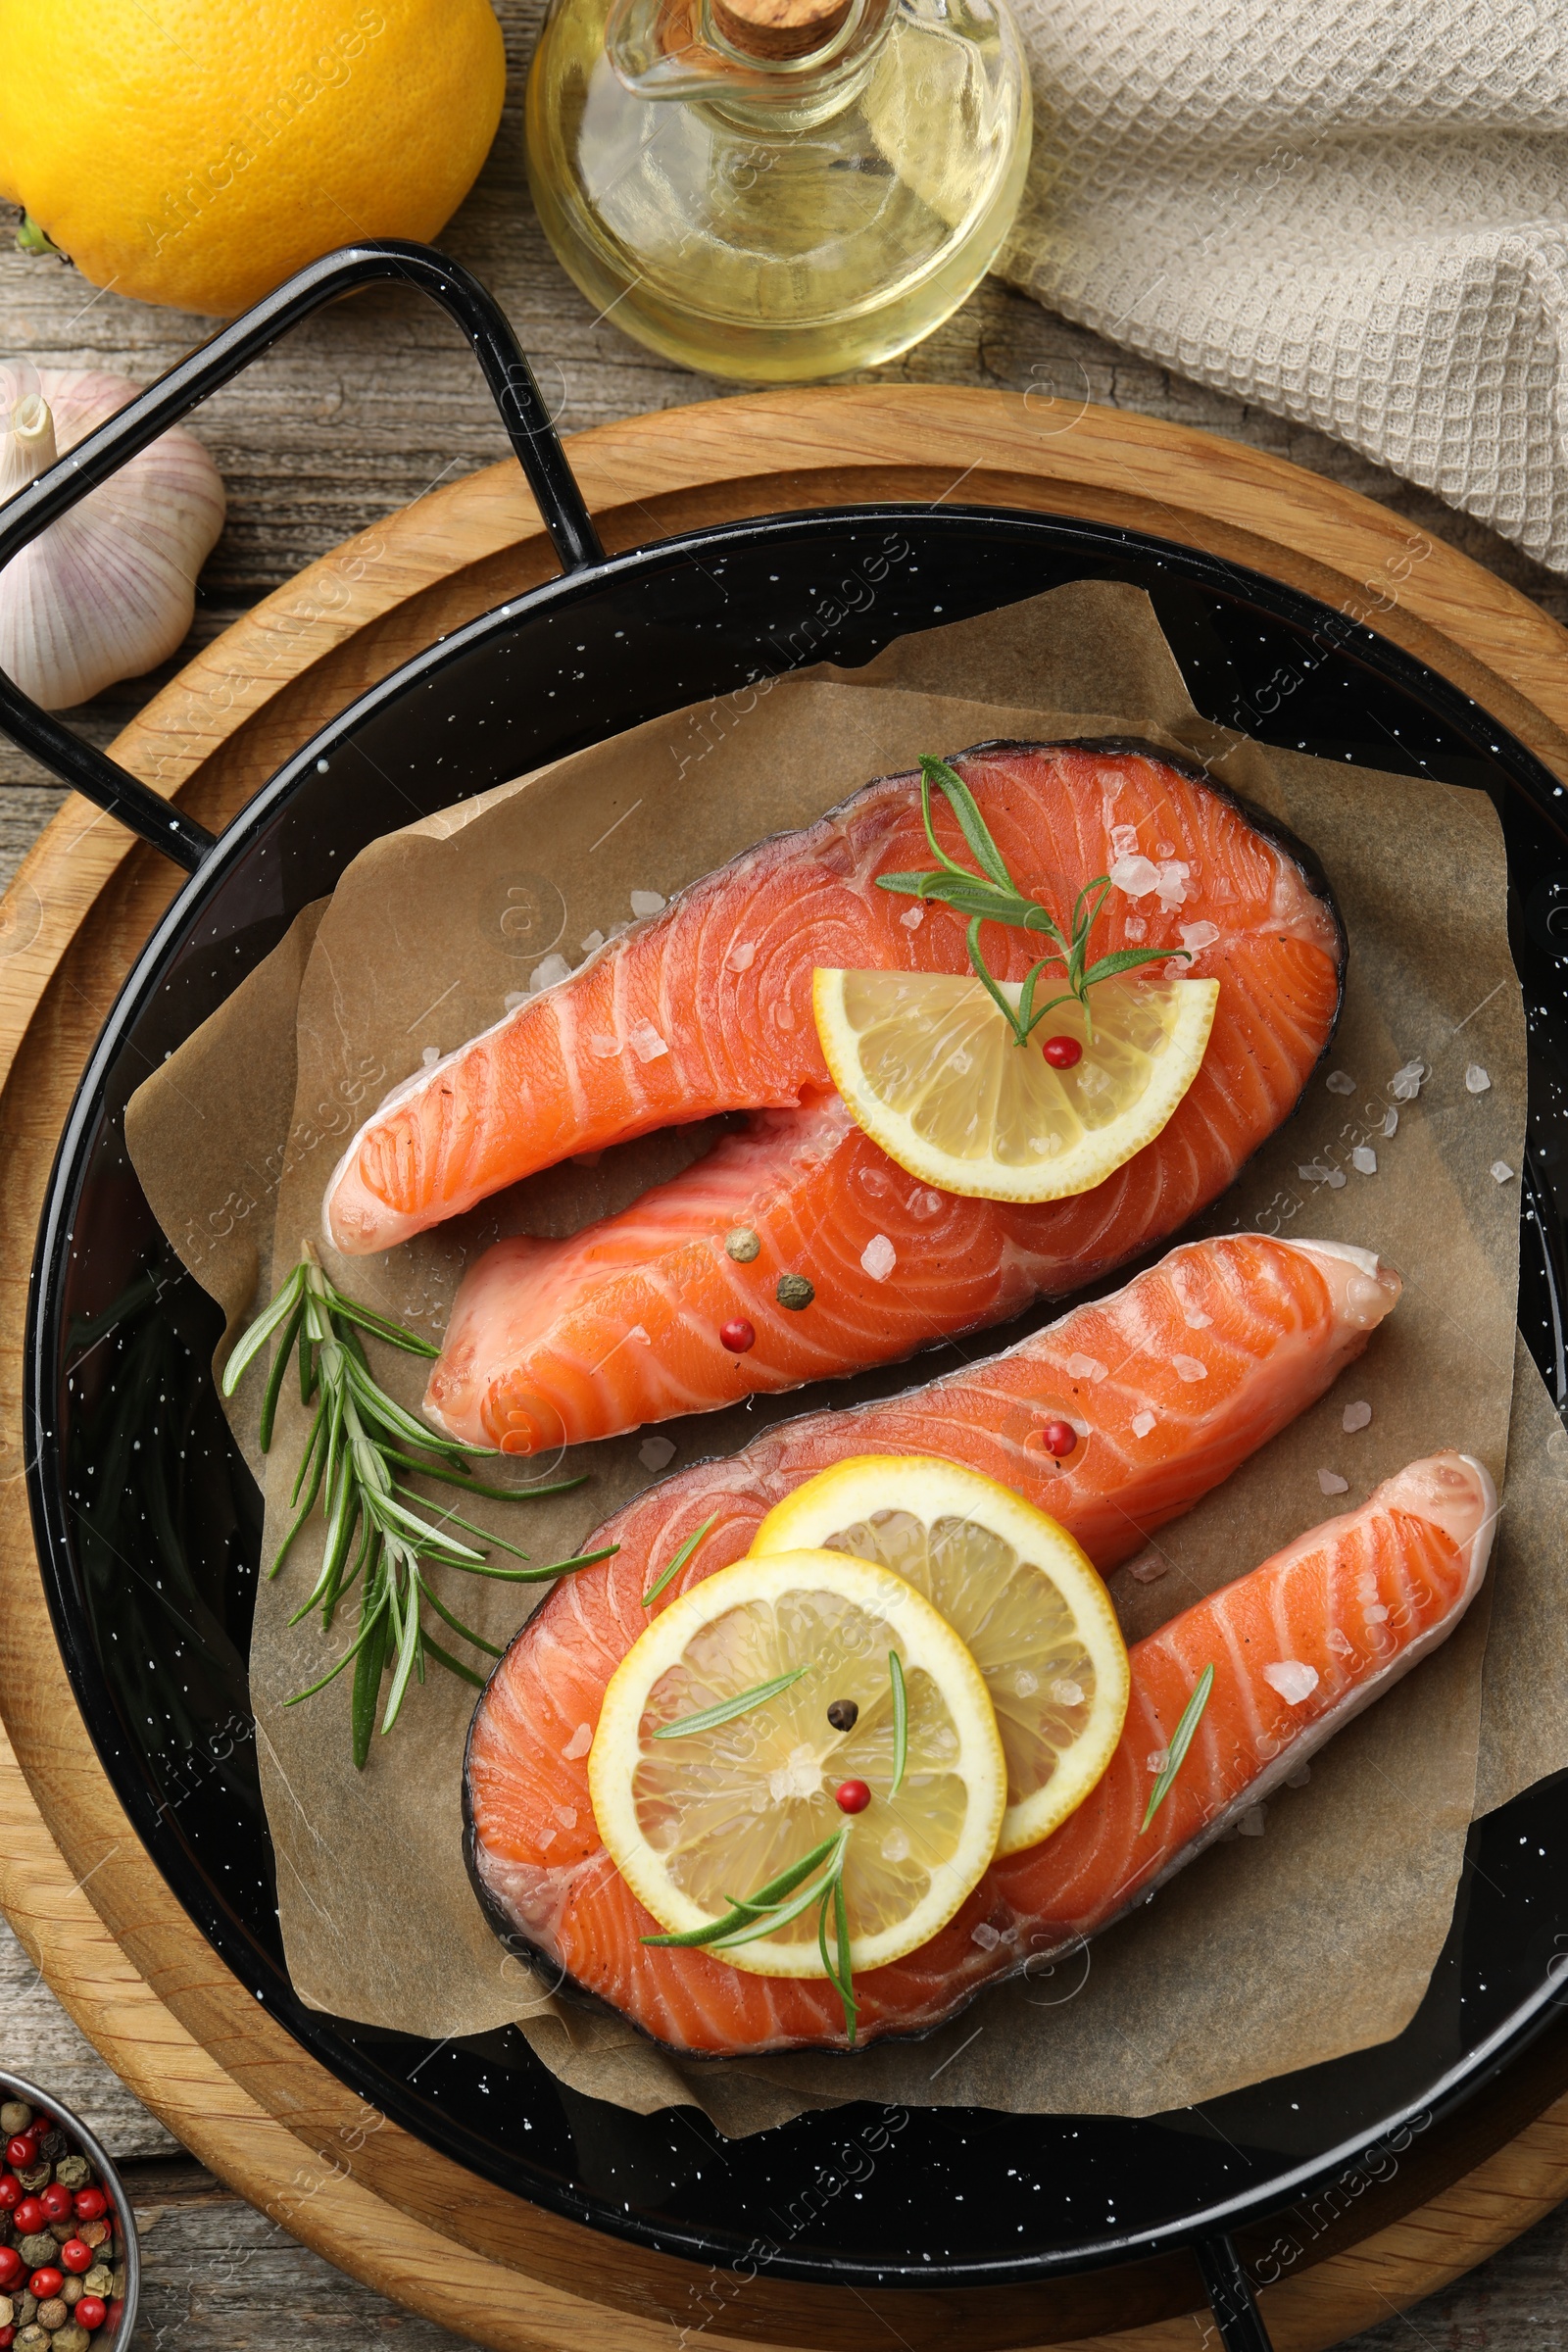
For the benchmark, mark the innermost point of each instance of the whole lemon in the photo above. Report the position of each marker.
(196, 151)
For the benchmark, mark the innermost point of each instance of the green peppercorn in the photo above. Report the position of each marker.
(794, 1291)
(15, 2116)
(36, 2177)
(34, 2338)
(27, 2307)
(743, 1244)
(37, 2250)
(8, 2312)
(71, 2338)
(72, 2172)
(100, 2282)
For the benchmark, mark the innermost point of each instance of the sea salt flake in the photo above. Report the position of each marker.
(1147, 1568)
(647, 901)
(513, 997)
(1067, 1694)
(742, 956)
(646, 1042)
(1157, 1759)
(1377, 1614)
(604, 1049)
(1085, 1367)
(1124, 841)
(1293, 1680)
(1335, 1180)
(1339, 1082)
(1299, 1777)
(1188, 1367)
(1134, 876)
(1172, 884)
(896, 1846)
(1026, 1683)
(1143, 1423)
(549, 974)
(654, 1452)
(592, 944)
(1340, 1644)
(1354, 1417)
(548, 1840)
(1390, 1121)
(1500, 1171)
(1135, 930)
(1330, 1483)
(879, 1258)
(431, 1057)
(1406, 1082)
(912, 918)
(566, 1815)
(1164, 849)
(986, 1935)
(1314, 1172)
(1475, 1079)
(799, 1775)
(1198, 936)
(1253, 1821)
(1195, 1318)
(1364, 1160)
(582, 1741)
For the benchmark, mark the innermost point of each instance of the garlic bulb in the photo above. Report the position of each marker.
(108, 591)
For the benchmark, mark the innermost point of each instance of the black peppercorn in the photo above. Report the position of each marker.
(842, 1714)
(54, 2144)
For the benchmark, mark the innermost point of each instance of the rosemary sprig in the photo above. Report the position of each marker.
(374, 1537)
(1181, 1742)
(900, 1721)
(992, 895)
(661, 1584)
(728, 1708)
(774, 1905)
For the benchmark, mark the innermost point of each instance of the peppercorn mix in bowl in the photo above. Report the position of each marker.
(68, 2266)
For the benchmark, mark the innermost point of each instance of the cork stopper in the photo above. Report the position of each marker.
(779, 28)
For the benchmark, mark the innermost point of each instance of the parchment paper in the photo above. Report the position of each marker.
(1312, 1936)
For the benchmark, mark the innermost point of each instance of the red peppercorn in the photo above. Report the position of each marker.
(10, 2191)
(91, 2311)
(1062, 1051)
(852, 1796)
(56, 2201)
(10, 2267)
(46, 2284)
(7, 2336)
(29, 2216)
(75, 2255)
(737, 1337)
(89, 2204)
(1058, 1438)
(21, 2152)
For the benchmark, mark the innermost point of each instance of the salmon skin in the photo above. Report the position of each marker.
(707, 1006)
(1267, 1325)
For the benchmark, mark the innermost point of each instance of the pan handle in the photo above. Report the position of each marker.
(91, 462)
(1230, 2295)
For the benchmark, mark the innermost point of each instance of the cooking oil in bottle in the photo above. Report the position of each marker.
(778, 189)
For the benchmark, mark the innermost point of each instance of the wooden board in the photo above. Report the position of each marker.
(90, 1905)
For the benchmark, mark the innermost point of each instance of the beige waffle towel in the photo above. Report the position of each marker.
(1352, 212)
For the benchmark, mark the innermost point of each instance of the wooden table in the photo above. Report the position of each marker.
(360, 412)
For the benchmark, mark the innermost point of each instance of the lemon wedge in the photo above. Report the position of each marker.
(928, 1066)
(1016, 1588)
(705, 1791)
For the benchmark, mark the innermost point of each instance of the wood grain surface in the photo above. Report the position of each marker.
(372, 407)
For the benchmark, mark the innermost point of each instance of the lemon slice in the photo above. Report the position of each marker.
(1018, 1593)
(931, 1071)
(696, 1819)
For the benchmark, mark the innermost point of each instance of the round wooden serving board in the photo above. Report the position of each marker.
(79, 1889)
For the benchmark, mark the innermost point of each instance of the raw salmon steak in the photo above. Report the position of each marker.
(1172, 1383)
(707, 1009)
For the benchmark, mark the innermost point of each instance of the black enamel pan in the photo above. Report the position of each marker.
(147, 1526)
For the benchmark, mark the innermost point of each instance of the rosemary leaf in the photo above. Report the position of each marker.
(1181, 1742)
(379, 1329)
(251, 1343)
(971, 824)
(274, 1379)
(766, 1898)
(444, 1658)
(728, 1708)
(900, 1721)
(474, 1485)
(679, 1562)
